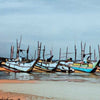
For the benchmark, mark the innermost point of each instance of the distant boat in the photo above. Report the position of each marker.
(86, 67)
(17, 66)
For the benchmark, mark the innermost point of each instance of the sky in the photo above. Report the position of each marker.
(55, 23)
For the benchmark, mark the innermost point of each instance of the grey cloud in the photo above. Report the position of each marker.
(50, 21)
(49, 6)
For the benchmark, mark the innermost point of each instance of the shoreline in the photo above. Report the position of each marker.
(6, 81)
(6, 94)
(50, 90)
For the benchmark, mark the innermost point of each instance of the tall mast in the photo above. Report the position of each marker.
(27, 52)
(99, 50)
(84, 48)
(11, 52)
(67, 53)
(90, 52)
(35, 55)
(95, 55)
(17, 47)
(81, 52)
(44, 53)
(39, 48)
(60, 54)
(75, 52)
(50, 52)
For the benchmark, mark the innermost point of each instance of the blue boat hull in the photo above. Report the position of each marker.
(88, 70)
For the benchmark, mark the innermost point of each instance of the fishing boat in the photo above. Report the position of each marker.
(45, 66)
(52, 66)
(86, 67)
(19, 66)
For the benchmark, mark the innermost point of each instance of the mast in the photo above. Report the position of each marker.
(35, 55)
(75, 52)
(99, 50)
(50, 52)
(67, 53)
(17, 51)
(20, 41)
(11, 52)
(27, 52)
(60, 54)
(90, 52)
(44, 53)
(84, 48)
(95, 59)
(81, 52)
(39, 48)
(18, 46)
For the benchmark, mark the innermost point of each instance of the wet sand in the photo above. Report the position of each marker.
(21, 96)
(2, 69)
(49, 86)
(49, 90)
(17, 81)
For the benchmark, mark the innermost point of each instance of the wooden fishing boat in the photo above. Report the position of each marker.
(52, 67)
(46, 66)
(86, 67)
(17, 66)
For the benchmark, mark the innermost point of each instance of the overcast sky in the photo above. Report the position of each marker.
(55, 23)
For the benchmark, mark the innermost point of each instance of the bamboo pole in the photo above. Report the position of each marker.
(60, 54)
(50, 52)
(81, 51)
(11, 52)
(90, 52)
(35, 55)
(38, 49)
(27, 52)
(84, 47)
(75, 52)
(17, 47)
(66, 53)
(99, 50)
(20, 41)
(44, 53)
(95, 56)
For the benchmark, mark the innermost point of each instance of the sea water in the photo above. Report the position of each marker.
(58, 76)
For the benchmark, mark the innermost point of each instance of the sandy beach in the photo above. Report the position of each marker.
(49, 50)
(49, 90)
